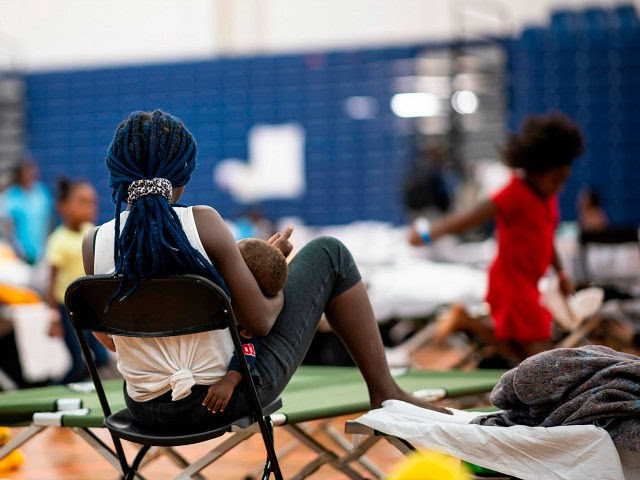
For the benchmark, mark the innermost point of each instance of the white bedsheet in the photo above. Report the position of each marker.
(530, 453)
(401, 281)
(417, 287)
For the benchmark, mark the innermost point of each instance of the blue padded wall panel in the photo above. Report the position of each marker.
(586, 65)
(354, 167)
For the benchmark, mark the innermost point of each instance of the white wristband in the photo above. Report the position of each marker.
(423, 227)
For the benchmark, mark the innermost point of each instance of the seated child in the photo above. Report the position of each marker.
(269, 267)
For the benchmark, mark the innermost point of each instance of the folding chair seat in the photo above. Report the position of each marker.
(167, 306)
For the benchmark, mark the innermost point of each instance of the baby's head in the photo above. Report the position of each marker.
(266, 262)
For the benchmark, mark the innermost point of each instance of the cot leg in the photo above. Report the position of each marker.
(348, 446)
(19, 439)
(172, 454)
(575, 337)
(213, 455)
(325, 456)
(133, 469)
(358, 451)
(402, 445)
(100, 447)
(6, 383)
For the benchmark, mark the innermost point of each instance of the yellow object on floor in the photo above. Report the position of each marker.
(15, 459)
(429, 465)
(12, 295)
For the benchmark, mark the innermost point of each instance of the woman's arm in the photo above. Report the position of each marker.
(87, 259)
(87, 250)
(254, 311)
(459, 222)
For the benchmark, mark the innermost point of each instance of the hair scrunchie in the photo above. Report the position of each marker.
(155, 186)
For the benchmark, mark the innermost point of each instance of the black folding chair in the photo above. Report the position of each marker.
(162, 307)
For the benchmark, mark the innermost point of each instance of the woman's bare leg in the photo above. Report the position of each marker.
(351, 317)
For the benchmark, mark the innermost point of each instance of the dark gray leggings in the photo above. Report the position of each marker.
(321, 270)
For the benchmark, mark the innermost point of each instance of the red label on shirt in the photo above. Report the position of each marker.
(249, 349)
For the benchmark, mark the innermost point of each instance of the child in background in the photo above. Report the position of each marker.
(591, 215)
(77, 207)
(526, 215)
(269, 267)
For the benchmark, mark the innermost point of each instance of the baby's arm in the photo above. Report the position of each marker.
(249, 344)
(220, 392)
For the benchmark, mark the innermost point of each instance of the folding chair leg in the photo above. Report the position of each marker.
(121, 456)
(283, 451)
(272, 465)
(19, 439)
(133, 469)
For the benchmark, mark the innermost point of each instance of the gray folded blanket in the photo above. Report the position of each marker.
(573, 386)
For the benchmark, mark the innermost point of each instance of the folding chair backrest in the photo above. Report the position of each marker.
(159, 307)
(166, 306)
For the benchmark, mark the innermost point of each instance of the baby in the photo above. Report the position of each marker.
(269, 267)
(266, 262)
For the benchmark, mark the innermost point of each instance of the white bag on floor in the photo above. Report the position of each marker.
(41, 356)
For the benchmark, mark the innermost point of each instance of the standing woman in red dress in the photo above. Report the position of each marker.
(526, 215)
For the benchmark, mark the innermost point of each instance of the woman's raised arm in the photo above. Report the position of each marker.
(253, 310)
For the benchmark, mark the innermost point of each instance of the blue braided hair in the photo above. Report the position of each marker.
(152, 242)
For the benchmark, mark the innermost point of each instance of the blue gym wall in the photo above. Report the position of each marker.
(353, 167)
(587, 64)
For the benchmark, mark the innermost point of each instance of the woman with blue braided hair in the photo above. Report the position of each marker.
(171, 381)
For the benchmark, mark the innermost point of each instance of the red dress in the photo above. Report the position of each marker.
(525, 226)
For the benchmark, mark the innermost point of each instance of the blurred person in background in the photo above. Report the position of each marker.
(26, 207)
(427, 189)
(591, 215)
(526, 215)
(252, 223)
(77, 207)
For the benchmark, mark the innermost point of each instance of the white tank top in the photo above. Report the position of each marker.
(153, 366)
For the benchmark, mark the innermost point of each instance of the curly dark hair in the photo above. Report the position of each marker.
(544, 142)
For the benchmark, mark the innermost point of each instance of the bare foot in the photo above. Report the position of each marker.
(400, 394)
